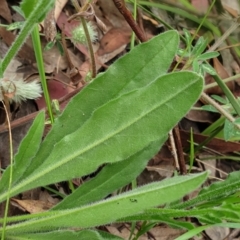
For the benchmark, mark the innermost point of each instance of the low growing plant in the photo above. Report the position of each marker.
(119, 120)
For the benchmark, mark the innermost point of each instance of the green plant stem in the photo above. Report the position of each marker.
(90, 48)
(192, 152)
(135, 17)
(55, 192)
(207, 140)
(228, 93)
(89, 42)
(71, 186)
(39, 58)
(11, 173)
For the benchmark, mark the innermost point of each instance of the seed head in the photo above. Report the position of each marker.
(19, 90)
(78, 34)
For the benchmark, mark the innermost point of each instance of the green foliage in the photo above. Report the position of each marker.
(103, 131)
(126, 204)
(195, 57)
(123, 119)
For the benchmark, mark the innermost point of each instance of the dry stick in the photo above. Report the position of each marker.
(231, 49)
(173, 149)
(224, 36)
(209, 100)
(181, 161)
(178, 143)
(129, 18)
(212, 48)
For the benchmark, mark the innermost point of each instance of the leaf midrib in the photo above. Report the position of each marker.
(40, 173)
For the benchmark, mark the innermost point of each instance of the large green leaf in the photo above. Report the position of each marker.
(111, 209)
(134, 70)
(107, 86)
(112, 177)
(117, 130)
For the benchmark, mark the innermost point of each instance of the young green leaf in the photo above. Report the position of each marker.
(27, 150)
(207, 55)
(188, 37)
(220, 99)
(199, 47)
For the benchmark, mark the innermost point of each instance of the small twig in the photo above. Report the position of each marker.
(209, 100)
(226, 80)
(173, 149)
(233, 27)
(231, 48)
(228, 93)
(210, 166)
(129, 18)
(181, 161)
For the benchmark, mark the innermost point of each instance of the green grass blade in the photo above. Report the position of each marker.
(110, 210)
(42, 6)
(27, 150)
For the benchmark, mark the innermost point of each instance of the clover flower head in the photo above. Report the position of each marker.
(19, 90)
(78, 34)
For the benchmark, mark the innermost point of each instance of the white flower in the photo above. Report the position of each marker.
(19, 90)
